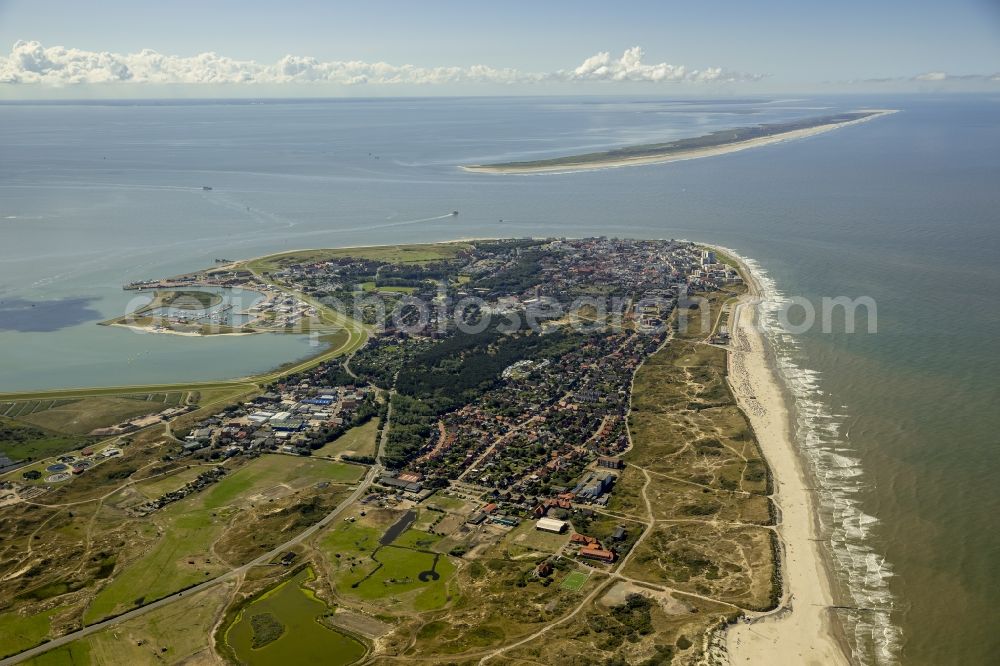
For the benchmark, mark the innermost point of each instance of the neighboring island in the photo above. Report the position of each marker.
(708, 145)
(444, 485)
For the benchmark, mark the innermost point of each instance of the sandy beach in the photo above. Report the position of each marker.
(614, 163)
(800, 630)
(190, 334)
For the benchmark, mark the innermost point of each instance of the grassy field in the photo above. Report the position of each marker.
(370, 286)
(160, 486)
(397, 254)
(188, 299)
(15, 408)
(574, 581)
(449, 503)
(173, 634)
(399, 574)
(79, 417)
(619, 627)
(21, 442)
(364, 569)
(20, 632)
(359, 441)
(181, 552)
(708, 482)
(118, 391)
(179, 557)
(732, 564)
(500, 600)
(526, 538)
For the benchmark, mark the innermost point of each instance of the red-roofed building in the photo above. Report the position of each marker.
(544, 569)
(597, 553)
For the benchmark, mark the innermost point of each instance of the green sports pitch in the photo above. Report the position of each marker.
(575, 581)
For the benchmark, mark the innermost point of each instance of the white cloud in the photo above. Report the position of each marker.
(602, 67)
(32, 63)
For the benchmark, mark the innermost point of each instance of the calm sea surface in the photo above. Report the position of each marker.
(900, 426)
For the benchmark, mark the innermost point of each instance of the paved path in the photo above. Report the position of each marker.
(263, 559)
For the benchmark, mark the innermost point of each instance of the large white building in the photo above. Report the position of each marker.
(551, 525)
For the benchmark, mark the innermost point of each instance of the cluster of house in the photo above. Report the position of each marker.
(713, 272)
(326, 275)
(287, 420)
(206, 478)
(576, 403)
(491, 513)
(570, 409)
(278, 309)
(631, 266)
(593, 487)
(406, 485)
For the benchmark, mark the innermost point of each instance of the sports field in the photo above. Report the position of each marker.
(575, 581)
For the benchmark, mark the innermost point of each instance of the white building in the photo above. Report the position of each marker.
(551, 525)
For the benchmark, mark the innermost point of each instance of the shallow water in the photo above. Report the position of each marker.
(303, 640)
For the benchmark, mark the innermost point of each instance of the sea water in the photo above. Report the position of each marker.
(899, 426)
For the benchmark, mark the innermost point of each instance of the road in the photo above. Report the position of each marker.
(362, 488)
(357, 336)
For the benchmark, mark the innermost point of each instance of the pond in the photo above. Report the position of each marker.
(284, 625)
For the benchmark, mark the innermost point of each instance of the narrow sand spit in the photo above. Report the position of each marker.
(694, 153)
(801, 630)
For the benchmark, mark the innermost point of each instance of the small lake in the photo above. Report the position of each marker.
(398, 528)
(303, 639)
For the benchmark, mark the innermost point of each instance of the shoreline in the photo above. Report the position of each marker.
(691, 154)
(165, 331)
(802, 628)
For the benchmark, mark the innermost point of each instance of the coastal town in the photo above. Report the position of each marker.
(542, 441)
(488, 417)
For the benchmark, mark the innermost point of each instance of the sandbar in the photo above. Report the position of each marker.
(682, 149)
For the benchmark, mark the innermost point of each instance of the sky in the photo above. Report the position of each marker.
(137, 48)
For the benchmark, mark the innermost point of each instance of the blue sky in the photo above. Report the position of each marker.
(535, 47)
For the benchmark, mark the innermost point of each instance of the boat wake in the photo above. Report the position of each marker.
(860, 571)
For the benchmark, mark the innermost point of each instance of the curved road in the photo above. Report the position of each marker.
(363, 486)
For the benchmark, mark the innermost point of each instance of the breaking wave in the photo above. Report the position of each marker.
(836, 469)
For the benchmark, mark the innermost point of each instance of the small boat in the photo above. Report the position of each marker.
(454, 213)
(206, 188)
